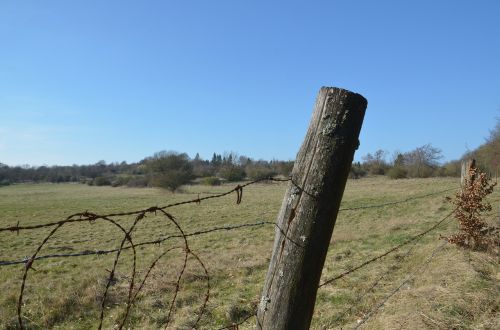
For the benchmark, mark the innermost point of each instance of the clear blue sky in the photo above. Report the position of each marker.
(82, 81)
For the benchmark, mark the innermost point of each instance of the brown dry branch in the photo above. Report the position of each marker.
(474, 233)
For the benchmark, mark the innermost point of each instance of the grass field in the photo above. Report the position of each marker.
(457, 289)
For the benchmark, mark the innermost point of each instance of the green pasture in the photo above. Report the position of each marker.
(458, 289)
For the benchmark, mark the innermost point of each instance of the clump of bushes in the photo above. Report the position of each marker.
(397, 172)
(99, 181)
(169, 170)
(232, 173)
(171, 180)
(211, 181)
(257, 172)
(4, 182)
(137, 182)
(357, 171)
(471, 206)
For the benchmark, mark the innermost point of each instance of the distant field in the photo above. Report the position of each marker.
(457, 289)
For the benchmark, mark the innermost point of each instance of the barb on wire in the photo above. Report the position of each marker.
(395, 248)
(86, 216)
(134, 288)
(127, 237)
(409, 278)
(151, 242)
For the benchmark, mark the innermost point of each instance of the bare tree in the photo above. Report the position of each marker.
(422, 161)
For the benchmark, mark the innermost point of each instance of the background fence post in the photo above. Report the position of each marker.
(467, 165)
(309, 210)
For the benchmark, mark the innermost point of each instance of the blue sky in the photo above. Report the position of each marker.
(82, 81)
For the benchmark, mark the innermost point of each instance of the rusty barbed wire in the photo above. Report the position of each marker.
(86, 216)
(409, 278)
(395, 248)
(127, 237)
(127, 243)
(131, 296)
(152, 242)
(374, 285)
(409, 199)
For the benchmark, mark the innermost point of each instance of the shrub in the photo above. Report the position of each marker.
(171, 180)
(138, 181)
(397, 172)
(357, 171)
(102, 181)
(232, 173)
(453, 168)
(284, 168)
(257, 172)
(211, 181)
(470, 207)
(169, 170)
(4, 182)
(120, 181)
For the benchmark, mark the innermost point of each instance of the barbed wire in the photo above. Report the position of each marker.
(86, 216)
(127, 243)
(380, 256)
(374, 284)
(409, 199)
(134, 291)
(409, 278)
(151, 242)
(227, 227)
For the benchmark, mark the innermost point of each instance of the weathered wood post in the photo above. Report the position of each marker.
(467, 165)
(309, 210)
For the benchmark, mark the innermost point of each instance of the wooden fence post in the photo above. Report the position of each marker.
(467, 165)
(309, 210)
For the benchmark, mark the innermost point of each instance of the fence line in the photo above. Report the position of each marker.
(409, 278)
(153, 242)
(395, 248)
(374, 285)
(127, 243)
(409, 199)
(87, 216)
(17, 228)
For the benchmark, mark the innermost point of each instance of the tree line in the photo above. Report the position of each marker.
(424, 161)
(170, 169)
(166, 169)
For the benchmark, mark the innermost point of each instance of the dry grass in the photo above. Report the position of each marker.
(458, 289)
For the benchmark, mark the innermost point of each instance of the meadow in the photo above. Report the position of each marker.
(456, 289)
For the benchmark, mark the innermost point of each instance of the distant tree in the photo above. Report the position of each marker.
(488, 154)
(169, 170)
(357, 171)
(232, 172)
(256, 171)
(452, 168)
(422, 162)
(284, 168)
(376, 163)
(398, 169)
(102, 181)
(244, 160)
